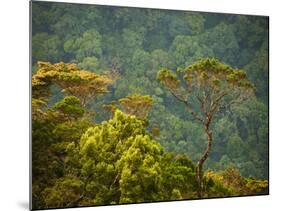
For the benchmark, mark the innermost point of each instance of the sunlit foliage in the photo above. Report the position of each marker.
(80, 83)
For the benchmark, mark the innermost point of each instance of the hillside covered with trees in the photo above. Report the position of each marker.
(135, 105)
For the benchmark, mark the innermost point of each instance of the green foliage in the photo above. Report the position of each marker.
(46, 47)
(86, 46)
(70, 106)
(138, 169)
(132, 45)
(254, 186)
(187, 49)
(230, 182)
(89, 63)
(131, 39)
(195, 22)
(222, 40)
(258, 71)
(168, 78)
(178, 176)
(64, 193)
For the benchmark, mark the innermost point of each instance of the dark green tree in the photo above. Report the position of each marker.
(86, 46)
(53, 129)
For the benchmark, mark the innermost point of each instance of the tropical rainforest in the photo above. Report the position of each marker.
(134, 105)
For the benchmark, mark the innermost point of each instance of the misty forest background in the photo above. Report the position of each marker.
(130, 45)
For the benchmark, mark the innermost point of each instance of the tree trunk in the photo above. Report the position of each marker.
(199, 170)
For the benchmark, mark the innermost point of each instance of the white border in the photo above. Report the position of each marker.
(14, 110)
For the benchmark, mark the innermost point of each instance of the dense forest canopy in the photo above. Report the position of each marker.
(101, 120)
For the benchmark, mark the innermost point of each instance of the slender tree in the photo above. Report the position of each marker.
(206, 88)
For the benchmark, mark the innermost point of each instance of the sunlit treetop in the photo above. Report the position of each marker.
(83, 84)
(210, 83)
(216, 74)
(169, 79)
(136, 104)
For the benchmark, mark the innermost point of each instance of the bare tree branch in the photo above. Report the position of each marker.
(181, 99)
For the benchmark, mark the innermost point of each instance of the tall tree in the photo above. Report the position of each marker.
(207, 87)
